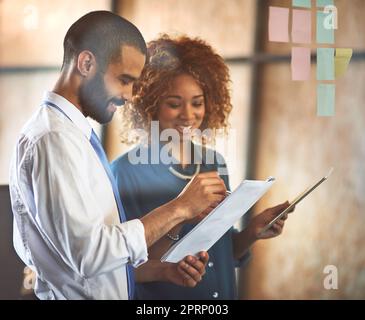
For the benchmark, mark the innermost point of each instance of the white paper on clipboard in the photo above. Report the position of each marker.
(205, 234)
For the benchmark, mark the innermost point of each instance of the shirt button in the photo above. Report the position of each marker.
(215, 295)
(210, 264)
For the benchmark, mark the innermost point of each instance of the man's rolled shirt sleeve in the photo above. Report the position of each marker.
(135, 242)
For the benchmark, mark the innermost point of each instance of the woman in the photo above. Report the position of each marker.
(184, 86)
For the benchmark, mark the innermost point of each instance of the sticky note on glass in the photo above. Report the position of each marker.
(325, 34)
(302, 3)
(325, 64)
(302, 26)
(323, 3)
(326, 100)
(342, 59)
(300, 64)
(278, 24)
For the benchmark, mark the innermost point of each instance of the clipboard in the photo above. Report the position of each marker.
(208, 231)
(299, 198)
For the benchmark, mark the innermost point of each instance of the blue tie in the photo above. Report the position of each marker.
(95, 142)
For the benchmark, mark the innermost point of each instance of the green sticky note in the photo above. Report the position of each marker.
(326, 100)
(302, 3)
(324, 34)
(323, 3)
(342, 59)
(325, 64)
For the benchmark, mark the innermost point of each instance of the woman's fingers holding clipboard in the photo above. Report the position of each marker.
(292, 209)
(274, 220)
(259, 222)
(285, 205)
(285, 216)
(275, 211)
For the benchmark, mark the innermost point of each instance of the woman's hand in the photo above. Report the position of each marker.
(259, 222)
(187, 272)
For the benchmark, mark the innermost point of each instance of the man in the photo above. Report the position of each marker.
(69, 223)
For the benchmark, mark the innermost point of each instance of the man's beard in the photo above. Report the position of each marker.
(93, 99)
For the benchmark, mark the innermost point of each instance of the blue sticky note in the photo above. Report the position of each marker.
(323, 3)
(302, 3)
(324, 34)
(326, 100)
(325, 64)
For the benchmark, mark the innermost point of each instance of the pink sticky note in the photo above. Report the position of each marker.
(300, 64)
(302, 26)
(278, 24)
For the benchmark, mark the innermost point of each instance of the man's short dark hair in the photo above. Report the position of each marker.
(102, 33)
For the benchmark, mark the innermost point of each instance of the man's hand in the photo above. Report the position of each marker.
(258, 223)
(201, 215)
(188, 272)
(203, 193)
(204, 190)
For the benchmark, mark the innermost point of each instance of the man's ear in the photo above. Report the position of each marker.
(86, 63)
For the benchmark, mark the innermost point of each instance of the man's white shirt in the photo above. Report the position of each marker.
(66, 222)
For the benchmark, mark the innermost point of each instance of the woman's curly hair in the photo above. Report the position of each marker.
(167, 58)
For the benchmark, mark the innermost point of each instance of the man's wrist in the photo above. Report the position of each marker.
(180, 208)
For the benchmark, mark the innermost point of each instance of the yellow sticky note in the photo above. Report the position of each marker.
(342, 60)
